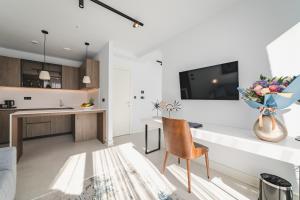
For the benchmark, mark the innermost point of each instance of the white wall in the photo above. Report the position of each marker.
(146, 74)
(104, 100)
(42, 98)
(241, 33)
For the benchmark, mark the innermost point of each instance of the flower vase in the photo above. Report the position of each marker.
(270, 129)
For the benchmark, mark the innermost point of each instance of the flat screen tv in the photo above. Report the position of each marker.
(218, 82)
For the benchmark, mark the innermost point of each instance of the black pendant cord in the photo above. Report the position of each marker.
(44, 51)
(45, 33)
(136, 22)
(86, 49)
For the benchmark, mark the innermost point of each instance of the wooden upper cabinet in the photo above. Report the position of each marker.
(70, 78)
(89, 68)
(10, 71)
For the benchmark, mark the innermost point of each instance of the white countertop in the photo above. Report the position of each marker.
(57, 111)
(287, 150)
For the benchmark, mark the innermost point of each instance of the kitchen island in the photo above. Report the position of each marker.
(87, 124)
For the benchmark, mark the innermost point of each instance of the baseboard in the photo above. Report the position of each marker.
(139, 131)
(110, 143)
(47, 136)
(233, 173)
(236, 174)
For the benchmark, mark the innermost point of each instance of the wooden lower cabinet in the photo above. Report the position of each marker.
(38, 129)
(85, 127)
(61, 124)
(46, 126)
(4, 127)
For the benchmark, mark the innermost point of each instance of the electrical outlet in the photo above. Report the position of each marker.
(27, 98)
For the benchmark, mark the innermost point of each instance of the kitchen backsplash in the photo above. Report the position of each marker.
(43, 98)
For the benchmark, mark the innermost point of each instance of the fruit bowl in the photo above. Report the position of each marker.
(86, 106)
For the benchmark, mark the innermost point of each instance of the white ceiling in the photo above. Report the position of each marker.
(69, 26)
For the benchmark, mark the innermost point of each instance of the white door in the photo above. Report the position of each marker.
(121, 102)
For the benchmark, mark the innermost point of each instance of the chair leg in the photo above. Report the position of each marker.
(178, 161)
(207, 164)
(188, 168)
(165, 162)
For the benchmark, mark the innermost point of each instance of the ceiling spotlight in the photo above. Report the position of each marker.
(67, 49)
(214, 81)
(136, 25)
(81, 3)
(35, 42)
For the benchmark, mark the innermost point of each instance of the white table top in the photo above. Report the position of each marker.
(287, 150)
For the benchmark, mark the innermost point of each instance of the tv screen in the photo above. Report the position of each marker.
(219, 82)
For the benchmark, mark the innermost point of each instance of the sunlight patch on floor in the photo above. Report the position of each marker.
(206, 189)
(71, 176)
(125, 173)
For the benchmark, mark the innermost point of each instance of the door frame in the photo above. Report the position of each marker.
(125, 68)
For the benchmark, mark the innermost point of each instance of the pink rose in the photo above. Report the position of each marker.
(274, 88)
(258, 89)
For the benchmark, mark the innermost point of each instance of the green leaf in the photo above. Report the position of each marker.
(262, 77)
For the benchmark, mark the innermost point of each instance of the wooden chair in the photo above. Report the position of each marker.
(179, 142)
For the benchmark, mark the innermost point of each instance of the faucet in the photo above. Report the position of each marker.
(61, 103)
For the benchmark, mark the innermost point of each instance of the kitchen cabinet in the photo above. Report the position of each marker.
(46, 126)
(89, 68)
(31, 70)
(36, 126)
(16, 72)
(10, 71)
(4, 126)
(70, 78)
(61, 124)
(38, 129)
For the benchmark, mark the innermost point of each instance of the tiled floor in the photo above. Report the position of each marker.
(44, 158)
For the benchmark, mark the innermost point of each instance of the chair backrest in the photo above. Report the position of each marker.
(178, 138)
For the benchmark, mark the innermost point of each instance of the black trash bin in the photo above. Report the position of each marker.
(272, 187)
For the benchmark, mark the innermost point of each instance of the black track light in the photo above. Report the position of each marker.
(136, 23)
(81, 3)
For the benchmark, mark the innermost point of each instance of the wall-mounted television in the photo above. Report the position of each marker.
(218, 82)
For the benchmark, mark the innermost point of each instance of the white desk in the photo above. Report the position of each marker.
(287, 150)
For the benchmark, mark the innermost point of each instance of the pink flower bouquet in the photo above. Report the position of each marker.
(268, 95)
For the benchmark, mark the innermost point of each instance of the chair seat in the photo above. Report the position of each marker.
(197, 145)
(199, 150)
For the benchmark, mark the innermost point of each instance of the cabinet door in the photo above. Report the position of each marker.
(4, 126)
(93, 72)
(38, 129)
(82, 73)
(70, 78)
(36, 126)
(90, 68)
(61, 124)
(10, 71)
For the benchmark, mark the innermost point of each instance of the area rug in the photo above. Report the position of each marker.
(120, 172)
